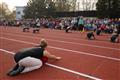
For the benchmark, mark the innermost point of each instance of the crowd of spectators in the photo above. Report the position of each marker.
(76, 23)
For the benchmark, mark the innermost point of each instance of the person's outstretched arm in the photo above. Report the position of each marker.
(49, 55)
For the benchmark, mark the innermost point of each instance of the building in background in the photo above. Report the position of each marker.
(19, 12)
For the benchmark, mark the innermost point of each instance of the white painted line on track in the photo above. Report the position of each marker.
(77, 38)
(62, 68)
(90, 54)
(67, 42)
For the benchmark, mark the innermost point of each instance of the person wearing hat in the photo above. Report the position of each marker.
(30, 59)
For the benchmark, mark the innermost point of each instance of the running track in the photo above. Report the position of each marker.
(81, 59)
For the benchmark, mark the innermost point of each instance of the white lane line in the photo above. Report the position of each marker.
(67, 42)
(90, 54)
(67, 37)
(62, 68)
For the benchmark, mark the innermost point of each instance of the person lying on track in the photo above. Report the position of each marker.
(26, 29)
(36, 30)
(98, 31)
(30, 59)
(90, 36)
(115, 38)
(67, 29)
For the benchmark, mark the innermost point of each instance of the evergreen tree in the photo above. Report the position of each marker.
(38, 9)
(115, 9)
(35, 8)
(108, 8)
(102, 8)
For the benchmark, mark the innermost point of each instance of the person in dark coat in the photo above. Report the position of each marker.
(30, 59)
(90, 36)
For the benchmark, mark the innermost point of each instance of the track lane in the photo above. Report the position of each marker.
(78, 48)
(101, 69)
(89, 66)
(45, 32)
(45, 73)
(66, 42)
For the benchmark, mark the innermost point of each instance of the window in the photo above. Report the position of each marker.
(18, 12)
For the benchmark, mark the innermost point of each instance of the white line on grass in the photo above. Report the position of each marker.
(90, 54)
(62, 68)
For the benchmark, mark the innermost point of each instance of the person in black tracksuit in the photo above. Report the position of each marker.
(36, 52)
(90, 36)
(98, 31)
(30, 59)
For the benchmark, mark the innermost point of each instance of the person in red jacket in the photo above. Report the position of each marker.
(30, 59)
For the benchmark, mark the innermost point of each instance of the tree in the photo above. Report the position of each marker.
(48, 8)
(115, 9)
(51, 9)
(39, 8)
(64, 5)
(102, 8)
(5, 13)
(108, 8)
(35, 8)
(11, 15)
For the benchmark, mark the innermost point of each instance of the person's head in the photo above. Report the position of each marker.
(43, 43)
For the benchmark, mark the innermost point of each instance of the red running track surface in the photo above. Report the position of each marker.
(99, 58)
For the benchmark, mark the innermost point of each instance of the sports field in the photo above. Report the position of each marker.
(82, 59)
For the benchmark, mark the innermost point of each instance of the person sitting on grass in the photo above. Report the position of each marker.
(90, 36)
(30, 59)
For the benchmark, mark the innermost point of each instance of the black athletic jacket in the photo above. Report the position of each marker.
(36, 52)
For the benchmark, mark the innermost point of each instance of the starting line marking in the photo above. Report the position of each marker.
(61, 68)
